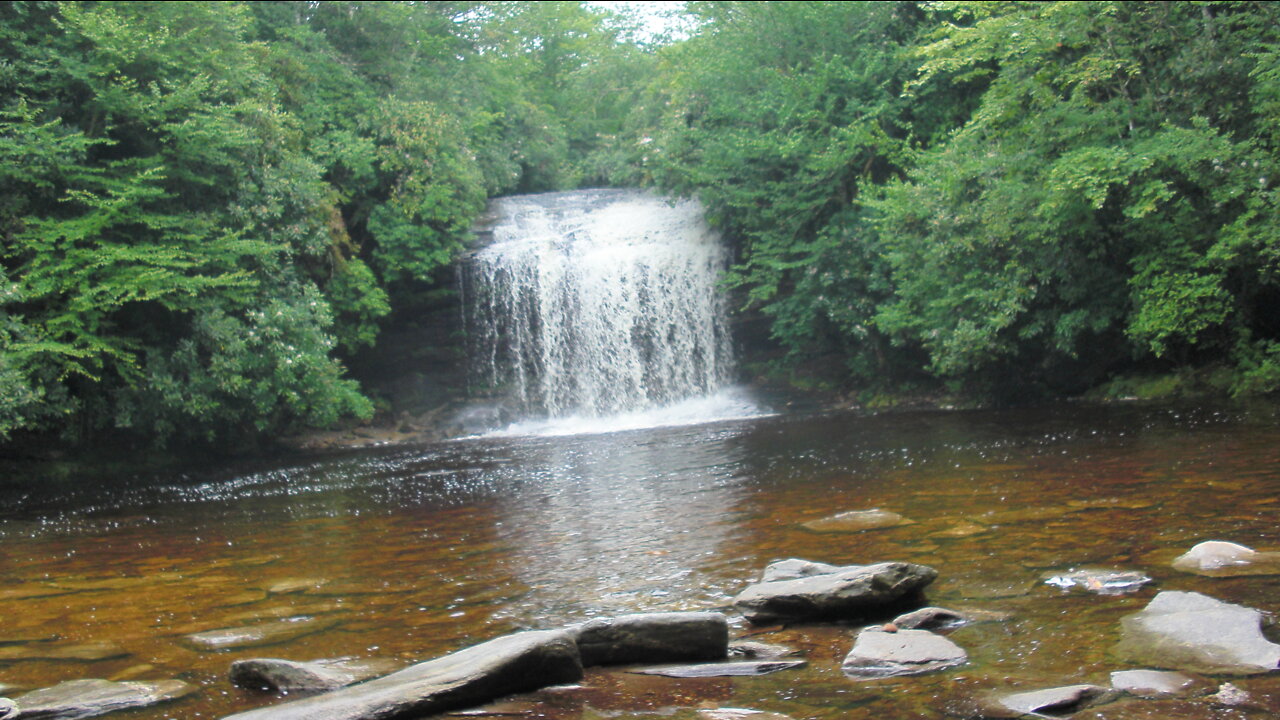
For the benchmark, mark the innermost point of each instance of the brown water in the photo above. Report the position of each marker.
(410, 553)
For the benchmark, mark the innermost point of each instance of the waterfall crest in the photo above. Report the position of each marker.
(599, 304)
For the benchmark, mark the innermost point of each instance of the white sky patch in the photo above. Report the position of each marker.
(658, 20)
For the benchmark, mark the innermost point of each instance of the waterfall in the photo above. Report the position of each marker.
(599, 304)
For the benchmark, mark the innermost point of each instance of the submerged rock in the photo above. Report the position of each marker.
(1156, 683)
(879, 653)
(266, 633)
(1052, 701)
(857, 521)
(89, 698)
(515, 663)
(275, 675)
(739, 714)
(728, 669)
(1195, 632)
(1101, 582)
(1216, 558)
(86, 652)
(653, 638)
(759, 651)
(850, 594)
(930, 618)
(794, 568)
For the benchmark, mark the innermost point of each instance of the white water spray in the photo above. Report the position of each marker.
(600, 304)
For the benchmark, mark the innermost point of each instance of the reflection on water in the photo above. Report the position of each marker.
(413, 552)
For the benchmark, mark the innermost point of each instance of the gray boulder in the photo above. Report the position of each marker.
(1217, 558)
(653, 638)
(851, 593)
(930, 618)
(89, 698)
(879, 653)
(275, 675)
(793, 568)
(8, 709)
(515, 663)
(1194, 632)
(1052, 701)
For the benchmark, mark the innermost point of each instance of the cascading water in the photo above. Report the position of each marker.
(600, 304)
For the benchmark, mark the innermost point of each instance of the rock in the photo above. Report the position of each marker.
(857, 521)
(90, 698)
(1154, 683)
(1055, 701)
(878, 653)
(286, 586)
(851, 594)
(930, 618)
(1101, 582)
(759, 651)
(87, 652)
(653, 638)
(514, 663)
(277, 675)
(1194, 632)
(8, 708)
(266, 633)
(961, 529)
(729, 669)
(1229, 694)
(738, 714)
(1216, 558)
(793, 568)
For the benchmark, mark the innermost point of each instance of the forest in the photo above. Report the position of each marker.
(208, 209)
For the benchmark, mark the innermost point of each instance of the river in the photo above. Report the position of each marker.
(411, 552)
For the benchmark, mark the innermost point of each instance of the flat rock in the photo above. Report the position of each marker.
(857, 521)
(1053, 701)
(930, 618)
(514, 663)
(1156, 683)
(267, 633)
(794, 568)
(287, 586)
(86, 652)
(878, 653)
(851, 594)
(962, 529)
(90, 698)
(276, 675)
(8, 708)
(739, 714)
(652, 638)
(1194, 632)
(752, 650)
(1099, 582)
(729, 669)
(1216, 558)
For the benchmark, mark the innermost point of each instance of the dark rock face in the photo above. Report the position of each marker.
(878, 653)
(1053, 701)
(851, 594)
(794, 568)
(511, 664)
(89, 698)
(653, 638)
(277, 675)
(1198, 633)
(729, 669)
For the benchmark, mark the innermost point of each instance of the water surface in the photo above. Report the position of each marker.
(412, 552)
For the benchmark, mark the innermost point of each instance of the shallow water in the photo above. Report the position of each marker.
(410, 553)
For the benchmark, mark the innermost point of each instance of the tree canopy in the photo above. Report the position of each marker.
(207, 208)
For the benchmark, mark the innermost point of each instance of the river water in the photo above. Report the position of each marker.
(408, 553)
